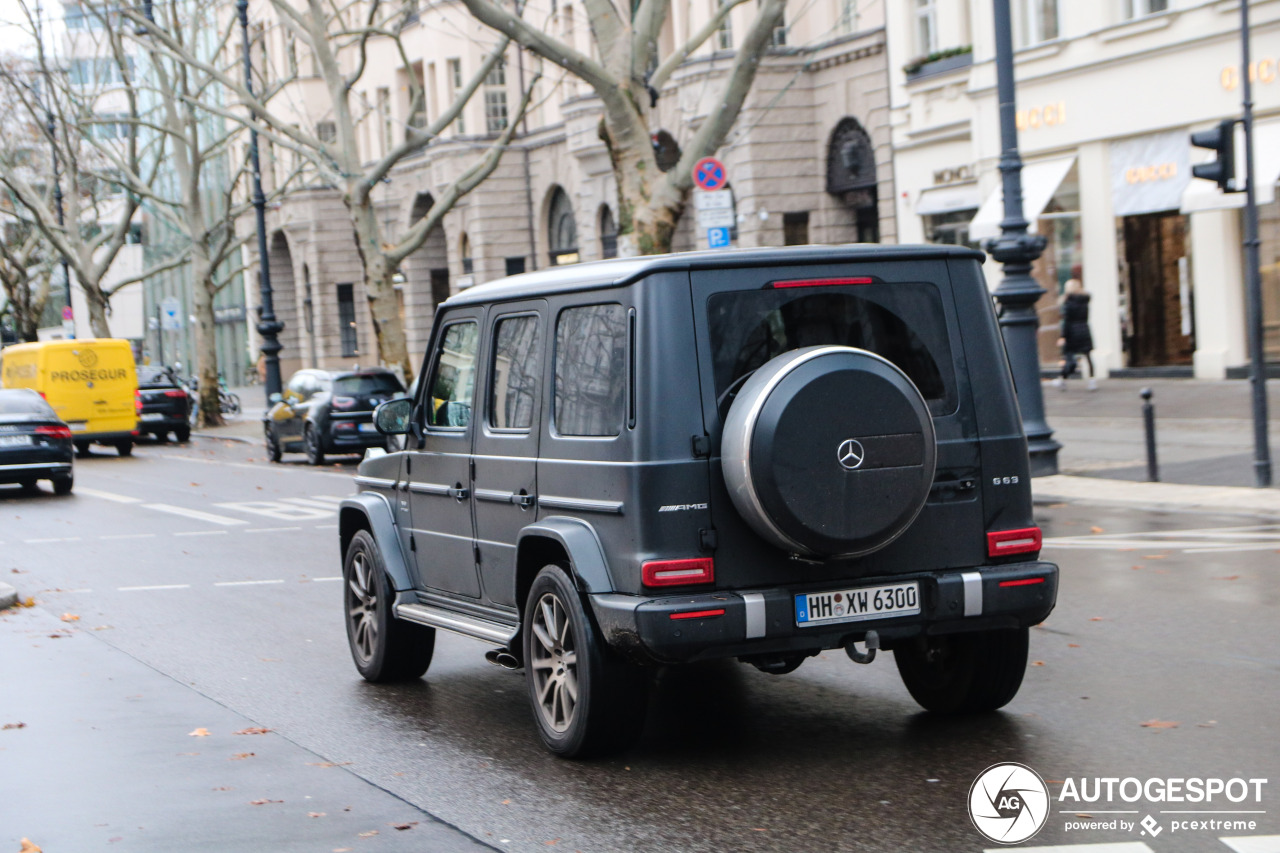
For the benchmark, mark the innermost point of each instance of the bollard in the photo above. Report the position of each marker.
(1149, 422)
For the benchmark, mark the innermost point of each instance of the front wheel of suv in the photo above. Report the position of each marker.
(384, 648)
(274, 451)
(964, 673)
(314, 445)
(586, 700)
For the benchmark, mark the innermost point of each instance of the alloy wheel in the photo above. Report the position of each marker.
(555, 663)
(362, 608)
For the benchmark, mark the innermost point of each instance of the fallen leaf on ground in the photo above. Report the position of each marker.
(552, 843)
(403, 826)
(369, 834)
(758, 829)
(13, 726)
(200, 732)
(1207, 725)
(1159, 724)
(16, 572)
(1095, 618)
(69, 617)
(328, 763)
(1154, 556)
(263, 802)
(29, 602)
(1228, 578)
(315, 814)
(504, 802)
(28, 846)
(1073, 645)
(56, 636)
(188, 753)
(1136, 568)
(253, 730)
(224, 788)
(195, 484)
(1037, 663)
(240, 756)
(1095, 529)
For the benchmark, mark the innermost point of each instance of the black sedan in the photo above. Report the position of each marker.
(163, 404)
(328, 411)
(34, 442)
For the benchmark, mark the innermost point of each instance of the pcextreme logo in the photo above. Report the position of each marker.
(1009, 803)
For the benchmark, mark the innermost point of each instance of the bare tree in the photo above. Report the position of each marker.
(342, 35)
(99, 154)
(629, 78)
(26, 274)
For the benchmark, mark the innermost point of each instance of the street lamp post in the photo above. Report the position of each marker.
(57, 200)
(1018, 292)
(268, 326)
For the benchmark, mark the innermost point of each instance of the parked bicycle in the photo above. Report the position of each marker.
(228, 401)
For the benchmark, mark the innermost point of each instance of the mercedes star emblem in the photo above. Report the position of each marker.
(851, 454)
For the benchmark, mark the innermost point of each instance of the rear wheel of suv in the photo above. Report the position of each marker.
(586, 700)
(964, 673)
(274, 451)
(384, 648)
(314, 447)
(829, 451)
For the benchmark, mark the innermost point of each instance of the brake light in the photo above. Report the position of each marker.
(137, 401)
(175, 392)
(1022, 582)
(821, 282)
(678, 572)
(341, 425)
(1022, 541)
(58, 431)
(343, 402)
(698, 614)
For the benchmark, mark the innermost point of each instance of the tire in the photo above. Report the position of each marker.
(182, 434)
(125, 448)
(231, 403)
(314, 445)
(274, 451)
(563, 653)
(964, 673)
(384, 648)
(82, 448)
(829, 451)
(28, 486)
(62, 485)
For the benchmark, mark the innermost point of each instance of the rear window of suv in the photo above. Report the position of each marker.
(366, 384)
(902, 322)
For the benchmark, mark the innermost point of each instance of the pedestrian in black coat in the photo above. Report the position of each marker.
(1076, 341)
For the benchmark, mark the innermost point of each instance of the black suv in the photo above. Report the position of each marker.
(758, 454)
(163, 404)
(328, 411)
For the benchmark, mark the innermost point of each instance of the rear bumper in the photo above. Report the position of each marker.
(763, 621)
(101, 437)
(14, 472)
(168, 421)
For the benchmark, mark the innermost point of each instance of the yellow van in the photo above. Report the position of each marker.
(91, 383)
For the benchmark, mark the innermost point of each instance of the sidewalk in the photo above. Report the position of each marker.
(98, 754)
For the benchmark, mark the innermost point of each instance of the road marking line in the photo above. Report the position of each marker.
(245, 583)
(195, 513)
(279, 511)
(331, 500)
(326, 527)
(107, 496)
(56, 539)
(157, 586)
(1253, 843)
(313, 503)
(202, 533)
(320, 580)
(269, 529)
(129, 536)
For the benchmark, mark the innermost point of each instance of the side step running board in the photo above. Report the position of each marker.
(467, 626)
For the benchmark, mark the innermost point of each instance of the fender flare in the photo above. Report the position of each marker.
(372, 511)
(578, 539)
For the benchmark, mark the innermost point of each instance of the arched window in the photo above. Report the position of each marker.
(851, 176)
(608, 233)
(562, 229)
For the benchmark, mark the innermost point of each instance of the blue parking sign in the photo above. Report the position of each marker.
(718, 238)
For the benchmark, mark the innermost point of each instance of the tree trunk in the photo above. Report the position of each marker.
(648, 207)
(97, 302)
(393, 349)
(206, 339)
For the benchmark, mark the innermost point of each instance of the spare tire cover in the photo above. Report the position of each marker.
(829, 451)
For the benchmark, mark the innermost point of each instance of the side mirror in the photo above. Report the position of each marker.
(277, 397)
(393, 416)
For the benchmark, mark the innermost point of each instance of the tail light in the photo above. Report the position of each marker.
(175, 392)
(678, 572)
(1024, 540)
(137, 401)
(344, 425)
(821, 282)
(58, 431)
(343, 402)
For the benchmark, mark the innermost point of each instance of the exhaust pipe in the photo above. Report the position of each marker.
(502, 658)
(872, 642)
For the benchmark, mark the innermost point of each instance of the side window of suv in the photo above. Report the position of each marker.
(454, 377)
(517, 361)
(591, 370)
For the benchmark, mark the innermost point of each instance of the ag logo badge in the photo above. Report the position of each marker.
(1008, 803)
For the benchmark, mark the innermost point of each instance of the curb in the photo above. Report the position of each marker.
(214, 436)
(1091, 490)
(8, 596)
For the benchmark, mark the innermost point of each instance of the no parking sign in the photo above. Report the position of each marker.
(710, 174)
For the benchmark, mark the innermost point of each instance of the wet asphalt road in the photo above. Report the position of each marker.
(241, 605)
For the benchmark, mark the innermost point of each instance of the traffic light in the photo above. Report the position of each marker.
(1222, 171)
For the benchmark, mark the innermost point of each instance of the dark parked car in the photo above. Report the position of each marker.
(328, 411)
(34, 442)
(756, 454)
(163, 404)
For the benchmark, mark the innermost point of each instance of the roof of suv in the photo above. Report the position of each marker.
(620, 271)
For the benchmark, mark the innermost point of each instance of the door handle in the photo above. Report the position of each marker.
(523, 501)
(460, 492)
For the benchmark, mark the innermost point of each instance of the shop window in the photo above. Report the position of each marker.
(347, 331)
(1061, 260)
(1269, 267)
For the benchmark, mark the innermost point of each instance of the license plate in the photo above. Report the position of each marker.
(14, 440)
(367, 428)
(153, 416)
(853, 605)
(77, 427)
